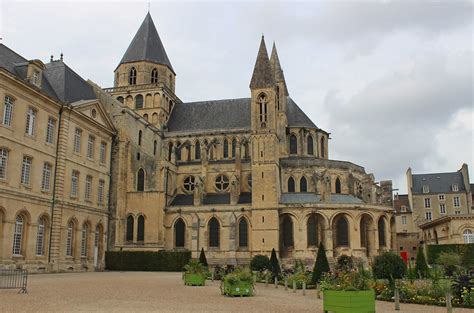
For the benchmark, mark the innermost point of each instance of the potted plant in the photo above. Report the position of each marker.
(239, 283)
(195, 274)
(348, 291)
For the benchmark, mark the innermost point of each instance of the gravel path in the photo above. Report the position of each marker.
(159, 292)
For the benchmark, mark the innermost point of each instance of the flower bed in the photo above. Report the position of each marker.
(238, 284)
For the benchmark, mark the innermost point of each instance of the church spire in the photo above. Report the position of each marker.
(277, 70)
(147, 46)
(262, 73)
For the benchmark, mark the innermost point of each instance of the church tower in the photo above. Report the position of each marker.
(265, 153)
(145, 79)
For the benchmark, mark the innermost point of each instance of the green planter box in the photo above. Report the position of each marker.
(362, 301)
(191, 279)
(240, 289)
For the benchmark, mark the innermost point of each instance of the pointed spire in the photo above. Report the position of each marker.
(276, 68)
(262, 73)
(147, 46)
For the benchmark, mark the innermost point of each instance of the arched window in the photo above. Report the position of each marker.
(226, 148)
(84, 239)
(120, 99)
(381, 230)
(139, 102)
(154, 76)
(293, 144)
(323, 152)
(338, 185)
(130, 222)
(178, 151)
(291, 184)
(145, 116)
(303, 184)
(18, 235)
(468, 236)
(155, 144)
(40, 236)
(364, 231)
(287, 231)
(243, 233)
(262, 102)
(234, 146)
(179, 232)
(342, 232)
(312, 234)
(132, 76)
(246, 150)
(214, 232)
(310, 147)
(197, 150)
(141, 180)
(436, 237)
(140, 137)
(170, 151)
(141, 228)
(70, 239)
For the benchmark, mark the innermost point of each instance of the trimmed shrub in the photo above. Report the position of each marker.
(202, 258)
(389, 265)
(161, 261)
(320, 266)
(466, 251)
(260, 263)
(421, 267)
(276, 270)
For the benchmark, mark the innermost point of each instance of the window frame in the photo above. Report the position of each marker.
(26, 168)
(8, 106)
(50, 130)
(4, 152)
(46, 178)
(30, 123)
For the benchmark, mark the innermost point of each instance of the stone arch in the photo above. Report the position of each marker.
(243, 231)
(179, 231)
(141, 179)
(291, 184)
(156, 100)
(130, 226)
(366, 230)
(214, 232)
(323, 149)
(148, 101)
(382, 231)
(286, 234)
(337, 185)
(315, 225)
(309, 145)
(341, 230)
(139, 101)
(141, 228)
(293, 143)
(303, 184)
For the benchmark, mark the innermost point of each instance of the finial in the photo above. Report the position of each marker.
(51, 60)
(149, 6)
(61, 58)
(263, 36)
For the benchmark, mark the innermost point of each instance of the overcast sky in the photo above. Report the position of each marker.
(391, 81)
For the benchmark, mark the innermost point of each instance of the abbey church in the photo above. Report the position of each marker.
(85, 169)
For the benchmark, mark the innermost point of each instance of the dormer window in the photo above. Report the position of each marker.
(35, 79)
(403, 209)
(455, 187)
(426, 189)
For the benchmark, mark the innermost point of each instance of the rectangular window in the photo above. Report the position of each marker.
(50, 130)
(90, 147)
(456, 202)
(427, 203)
(77, 140)
(457, 212)
(103, 151)
(87, 190)
(85, 229)
(441, 198)
(3, 163)
(36, 78)
(428, 216)
(8, 111)
(442, 208)
(26, 170)
(46, 181)
(69, 239)
(30, 121)
(426, 189)
(74, 183)
(100, 191)
(40, 238)
(404, 220)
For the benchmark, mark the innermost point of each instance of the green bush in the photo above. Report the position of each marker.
(450, 262)
(195, 267)
(202, 258)
(260, 263)
(321, 265)
(276, 270)
(466, 251)
(345, 263)
(388, 265)
(239, 275)
(421, 267)
(164, 261)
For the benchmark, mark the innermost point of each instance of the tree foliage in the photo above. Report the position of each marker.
(389, 265)
(421, 267)
(276, 270)
(202, 258)
(320, 266)
(260, 263)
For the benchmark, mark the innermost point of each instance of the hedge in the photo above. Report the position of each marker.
(466, 251)
(161, 261)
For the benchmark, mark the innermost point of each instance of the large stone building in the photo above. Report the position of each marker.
(237, 177)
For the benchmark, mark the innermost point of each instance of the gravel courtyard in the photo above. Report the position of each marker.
(158, 292)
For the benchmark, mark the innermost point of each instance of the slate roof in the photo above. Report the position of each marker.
(401, 201)
(308, 197)
(147, 45)
(68, 85)
(263, 75)
(212, 115)
(210, 199)
(437, 182)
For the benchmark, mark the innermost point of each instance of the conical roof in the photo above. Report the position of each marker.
(276, 67)
(147, 46)
(262, 73)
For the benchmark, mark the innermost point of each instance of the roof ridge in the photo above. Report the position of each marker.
(14, 52)
(216, 100)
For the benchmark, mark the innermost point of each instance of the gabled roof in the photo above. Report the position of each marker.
(437, 182)
(262, 73)
(67, 84)
(213, 115)
(147, 46)
(401, 200)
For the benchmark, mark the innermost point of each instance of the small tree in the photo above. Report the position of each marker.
(202, 258)
(320, 266)
(389, 265)
(260, 263)
(421, 267)
(345, 263)
(450, 262)
(276, 270)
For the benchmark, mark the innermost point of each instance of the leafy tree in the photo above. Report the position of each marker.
(389, 265)
(450, 262)
(260, 263)
(421, 267)
(276, 270)
(321, 265)
(345, 263)
(202, 258)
